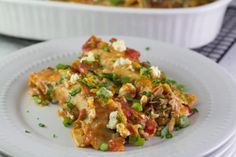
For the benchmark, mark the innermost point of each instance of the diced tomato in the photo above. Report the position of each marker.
(189, 111)
(116, 144)
(80, 67)
(150, 127)
(131, 129)
(86, 89)
(132, 54)
(112, 40)
(82, 114)
(86, 47)
(126, 109)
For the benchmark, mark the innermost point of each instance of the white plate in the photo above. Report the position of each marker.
(223, 150)
(231, 152)
(210, 128)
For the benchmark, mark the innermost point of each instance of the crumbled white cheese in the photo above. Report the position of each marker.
(91, 114)
(74, 78)
(119, 45)
(69, 115)
(112, 120)
(121, 62)
(131, 68)
(124, 132)
(127, 89)
(155, 71)
(89, 58)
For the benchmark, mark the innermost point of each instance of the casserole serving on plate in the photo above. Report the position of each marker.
(37, 19)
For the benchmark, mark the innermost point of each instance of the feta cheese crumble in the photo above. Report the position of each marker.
(155, 71)
(121, 62)
(74, 78)
(90, 58)
(119, 45)
(112, 120)
(124, 132)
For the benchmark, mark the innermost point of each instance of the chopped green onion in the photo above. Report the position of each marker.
(54, 135)
(110, 76)
(27, 131)
(49, 91)
(145, 72)
(103, 92)
(183, 122)
(69, 105)
(146, 64)
(75, 91)
(37, 100)
(116, 2)
(158, 133)
(67, 121)
(42, 125)
(62, 79)
(104, 147)
(181, 87)
(147, 48)
(169, 135)
(105, 48)
(62, 66)
(164, 132)
(136, 140)
(147, 93)
(194, 110)
(124, 80)
(106, 84)
(137, 106)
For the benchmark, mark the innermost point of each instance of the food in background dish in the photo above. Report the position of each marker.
(144, 3)
(111, 98)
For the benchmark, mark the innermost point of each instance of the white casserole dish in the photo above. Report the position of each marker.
(42, 20)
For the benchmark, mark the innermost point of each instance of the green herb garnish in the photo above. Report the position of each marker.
(124, 80)
(116, 2)
(62, 66)
(158, 133)
(70, 105)
(37, 100)
(164, 132)
(180, 87)
(145, 72)
(49, 94)
(54, 135)
(194, 110)
(67, 121)
(105, 48)
(169, 135)
(136, 140)
(137, 106)
(42, 125)
(183, 122)
(147, 48)
(146, 64)
(147, 93)
(110, 76)
(104, 93)
(75, 91)
(104, 147)
(105, 84)
(27, 131)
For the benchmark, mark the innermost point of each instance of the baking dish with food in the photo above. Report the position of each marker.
(42, 20)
